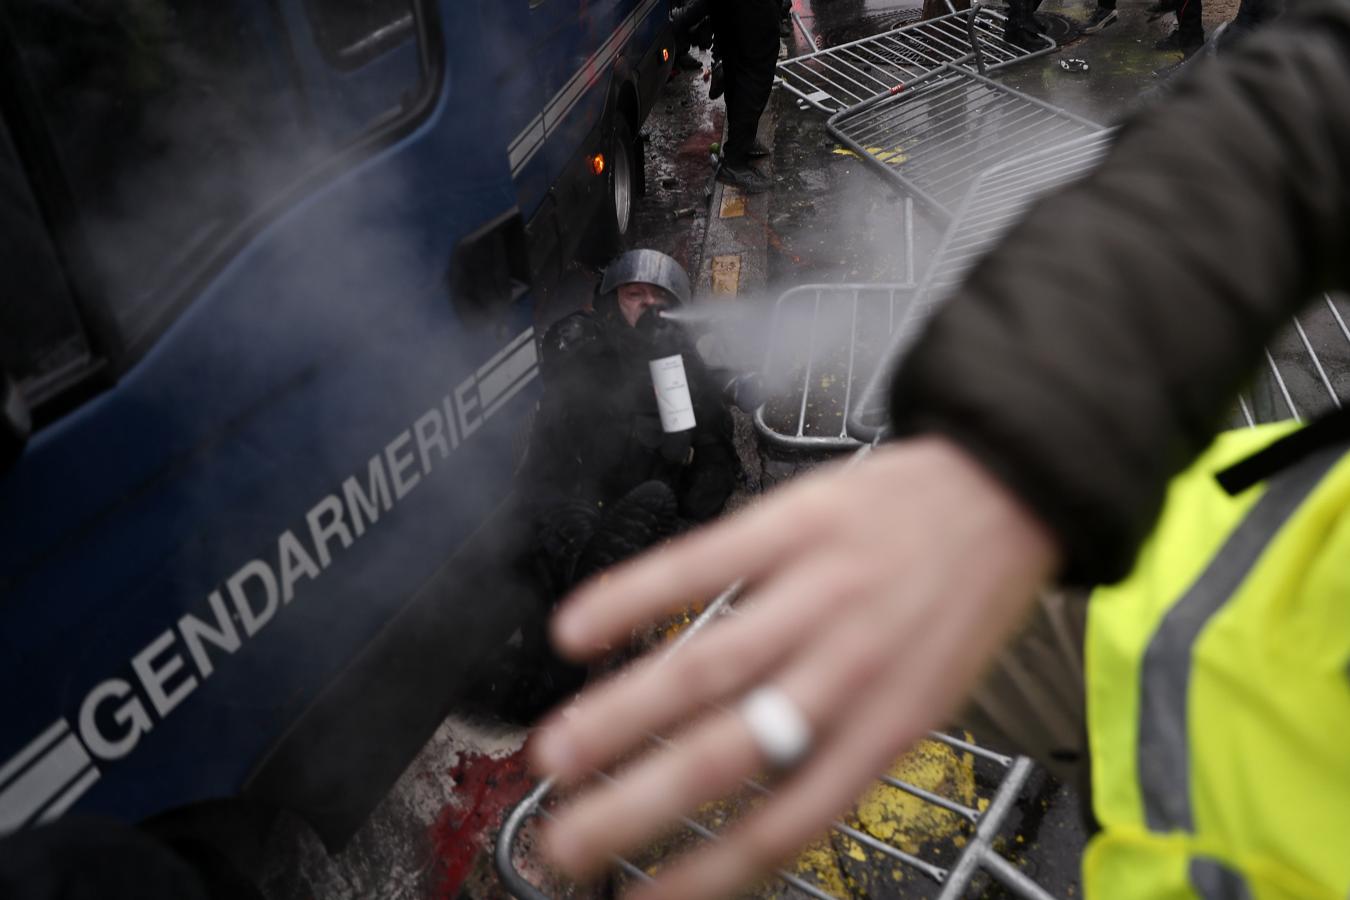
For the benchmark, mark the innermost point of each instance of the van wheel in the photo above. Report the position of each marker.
(609, 231)
(623, 180)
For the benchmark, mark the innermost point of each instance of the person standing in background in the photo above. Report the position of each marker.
(747, 38)
(1102, 16)
(1189, 35)
(1020, 28)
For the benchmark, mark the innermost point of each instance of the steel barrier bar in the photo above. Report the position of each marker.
(818, 360)
(977, 854)
(995, 202)
(1306, 368)
(938, 134)
(857, 72)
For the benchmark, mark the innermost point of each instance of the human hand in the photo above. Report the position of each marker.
(878, 592)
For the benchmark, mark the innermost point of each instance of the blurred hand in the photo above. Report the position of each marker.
(877, 594)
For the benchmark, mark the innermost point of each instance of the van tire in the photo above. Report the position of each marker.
(613, 222)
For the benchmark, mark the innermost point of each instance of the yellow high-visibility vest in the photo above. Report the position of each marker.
(1218, 685)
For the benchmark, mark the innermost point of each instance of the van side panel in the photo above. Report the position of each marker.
(188, 559)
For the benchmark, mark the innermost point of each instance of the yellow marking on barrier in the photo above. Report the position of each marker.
(726, 274)
(894, 156)
(733, 203)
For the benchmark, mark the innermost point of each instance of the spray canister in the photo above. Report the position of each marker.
(672, 393)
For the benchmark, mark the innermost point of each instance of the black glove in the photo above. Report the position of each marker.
(745, 392)
(663, 336)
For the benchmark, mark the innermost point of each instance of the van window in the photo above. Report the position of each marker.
(41, 342)
(351, 32)
(170, 123)
(173, 124)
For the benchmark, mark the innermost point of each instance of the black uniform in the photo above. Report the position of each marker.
(94, 859)
(603, 479)
(747, 39)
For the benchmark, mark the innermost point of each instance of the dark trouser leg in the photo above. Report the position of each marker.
(1021, 18)
(1188, 22)
(748, 34)
(1251, 14)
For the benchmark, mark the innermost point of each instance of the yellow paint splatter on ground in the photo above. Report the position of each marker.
(819, 864)
(898, 818)
(908, 822)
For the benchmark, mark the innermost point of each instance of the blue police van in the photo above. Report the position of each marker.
(270, 277)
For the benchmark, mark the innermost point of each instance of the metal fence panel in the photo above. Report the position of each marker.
(933, 138)
(983, 821)
(1305, 371)
(995, 202)
(824, 342)
(845, 76)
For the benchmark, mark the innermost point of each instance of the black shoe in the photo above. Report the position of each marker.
(1100, 18)
(758, 151)
(1026, 38)
(715, 81)
(744, 177)
(688, 62)
(1177, 43)
(1162, 8)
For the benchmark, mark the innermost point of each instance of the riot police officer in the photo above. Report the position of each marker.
(604, 477)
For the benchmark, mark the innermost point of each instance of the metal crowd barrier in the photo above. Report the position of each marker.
(997, 200)
(824, 343)
(843, 77)
(982, 822)
(1306, 370)
(937, 135)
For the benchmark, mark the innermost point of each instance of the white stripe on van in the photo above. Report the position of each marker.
(526, 144)
(50, 775)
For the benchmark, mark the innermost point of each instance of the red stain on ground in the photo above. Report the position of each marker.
(485, 789)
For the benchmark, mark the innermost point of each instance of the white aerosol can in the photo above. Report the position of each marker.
(672, 393)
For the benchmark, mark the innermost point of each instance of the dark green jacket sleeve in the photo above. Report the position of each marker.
(1094, 353)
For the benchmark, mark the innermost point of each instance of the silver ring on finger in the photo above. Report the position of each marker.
(778, 726)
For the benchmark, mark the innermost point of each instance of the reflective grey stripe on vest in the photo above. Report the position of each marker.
(1164, 752)
(1213, 880)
